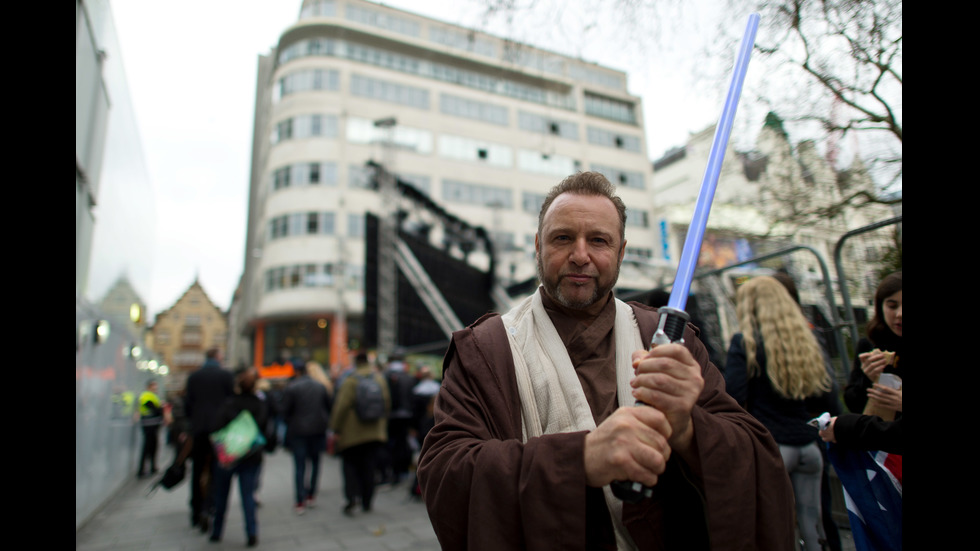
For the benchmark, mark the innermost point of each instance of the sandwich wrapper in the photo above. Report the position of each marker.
(889, 380)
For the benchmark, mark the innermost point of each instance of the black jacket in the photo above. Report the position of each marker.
(856, 391)
(306, 407)
(207, 390)
(869, 432)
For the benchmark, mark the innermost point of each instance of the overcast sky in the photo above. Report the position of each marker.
(191, 68)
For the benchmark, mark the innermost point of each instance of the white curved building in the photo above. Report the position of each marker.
(485, 126)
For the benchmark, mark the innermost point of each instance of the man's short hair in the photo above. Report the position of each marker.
(586, 183)
(212, 353)
(299, 366)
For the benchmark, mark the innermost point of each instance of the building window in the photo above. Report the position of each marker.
(284, 131)
(607, 138)
(305, 81)
(596, 76)
(477, 194)
(387, 21)
(473, 109)
(280, 178)
(637, 218)
(639, 253)
(355, 225)
(188, 358)
(319, 8)
(363, 131)
(314, 275)
(428, 68)
(306, 126)
(503, 241)
(392, 92)
(310, 277)
(535, 161)
(462, 40)
(304, 174)
(190, 338)
(625, 178)
(465, 149)
(359, 177)
(547, 125)
(313, 223)
(296, 222)
(279, 227)
(532, 202)
(609, 108)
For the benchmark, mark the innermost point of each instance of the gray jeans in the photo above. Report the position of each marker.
(805, 466)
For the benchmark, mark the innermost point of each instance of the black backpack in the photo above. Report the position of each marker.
(369, 399)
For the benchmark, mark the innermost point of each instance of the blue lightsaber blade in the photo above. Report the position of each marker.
(695, 234)
(673, 318)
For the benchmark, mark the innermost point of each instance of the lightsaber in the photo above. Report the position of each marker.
(673, 318)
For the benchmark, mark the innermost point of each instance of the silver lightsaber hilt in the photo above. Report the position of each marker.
(669, 330)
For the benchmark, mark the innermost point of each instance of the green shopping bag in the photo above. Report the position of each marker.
(237, 440)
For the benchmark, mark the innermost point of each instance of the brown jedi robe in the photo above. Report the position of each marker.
(485, 489)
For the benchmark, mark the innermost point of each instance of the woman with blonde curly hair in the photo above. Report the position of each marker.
(774, 365)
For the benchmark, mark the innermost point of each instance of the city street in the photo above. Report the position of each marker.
(133, 521)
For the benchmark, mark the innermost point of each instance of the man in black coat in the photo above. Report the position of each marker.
(207, 389)
(306, 407)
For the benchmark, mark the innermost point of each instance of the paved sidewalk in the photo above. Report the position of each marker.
(133, 521)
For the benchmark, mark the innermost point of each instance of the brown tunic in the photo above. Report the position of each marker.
(485, 489)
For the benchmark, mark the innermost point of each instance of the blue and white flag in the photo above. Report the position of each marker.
(873, 496)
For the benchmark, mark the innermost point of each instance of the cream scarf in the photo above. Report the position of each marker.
(552, 399)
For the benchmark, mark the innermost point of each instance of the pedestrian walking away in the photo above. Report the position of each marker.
(360, 434)
(206, 392)
(306, 408)
(246, 469)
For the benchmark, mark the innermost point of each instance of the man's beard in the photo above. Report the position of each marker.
(553, 288)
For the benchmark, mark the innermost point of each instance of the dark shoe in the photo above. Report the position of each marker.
(253, 541)
(204, 524)
(214, 538)
(349, 510)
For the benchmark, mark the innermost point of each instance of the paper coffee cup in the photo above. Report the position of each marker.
(890, 380)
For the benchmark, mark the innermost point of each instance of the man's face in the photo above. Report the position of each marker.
(579, 251)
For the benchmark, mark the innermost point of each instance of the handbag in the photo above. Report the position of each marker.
(173, 476)
(239, 439)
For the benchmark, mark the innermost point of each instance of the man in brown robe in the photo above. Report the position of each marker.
(490, 483)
